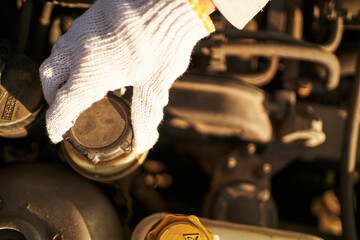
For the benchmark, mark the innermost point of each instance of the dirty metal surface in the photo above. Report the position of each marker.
(20, 96)
(103, 131)
(219, 108)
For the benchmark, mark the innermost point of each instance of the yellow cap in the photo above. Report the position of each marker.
(179, 227)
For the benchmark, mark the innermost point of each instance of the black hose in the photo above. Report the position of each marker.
(330, 45)
(42, 31)
(338, 6)
(348, 160)
(25, 20)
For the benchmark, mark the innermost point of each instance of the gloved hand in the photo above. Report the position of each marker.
(116, 43)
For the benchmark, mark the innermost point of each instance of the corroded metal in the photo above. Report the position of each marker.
(102, 132)
(21, 97)
(113, 169)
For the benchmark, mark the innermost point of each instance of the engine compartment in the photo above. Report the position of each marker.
(258, 131)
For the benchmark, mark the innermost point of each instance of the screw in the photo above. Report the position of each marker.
(316, 12)
(232, 162)
(305, 89)
(264, 195)
(267, 167)
(92, 158)
(251, 148)
(150, 180)
(125, 145)
(263, 170)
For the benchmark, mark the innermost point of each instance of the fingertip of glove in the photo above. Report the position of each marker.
(146, 142)
(138, 149)
(55, 138)
(55, 131)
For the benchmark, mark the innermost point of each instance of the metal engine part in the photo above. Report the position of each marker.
(113, 169)
(300, 124)
(245, 203)
(215, 106)
(230, 132)
(98, 146)
(240, 190)
(21, 97)
(102, 132)
(44, 201)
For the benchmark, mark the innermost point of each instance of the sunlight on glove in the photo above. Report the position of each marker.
(141, 43)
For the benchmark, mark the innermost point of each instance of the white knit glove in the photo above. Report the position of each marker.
(116, 43)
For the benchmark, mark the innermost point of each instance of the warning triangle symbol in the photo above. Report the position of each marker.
(191, 236)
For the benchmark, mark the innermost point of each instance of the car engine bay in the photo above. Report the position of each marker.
(261, 130)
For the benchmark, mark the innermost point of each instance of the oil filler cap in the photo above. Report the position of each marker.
(179, 227)
(102, 132)
(21, 97)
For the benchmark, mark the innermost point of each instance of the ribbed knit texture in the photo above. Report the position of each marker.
(116, 43)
